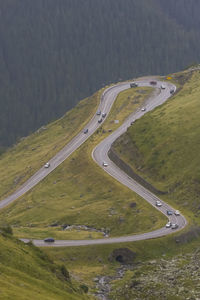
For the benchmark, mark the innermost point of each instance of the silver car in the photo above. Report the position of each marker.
(177, 213)
(168, 225)
(174, 226)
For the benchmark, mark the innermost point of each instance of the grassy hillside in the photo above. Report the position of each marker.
(26, 157)
(163, 147)
(28, 273)
(161, 266)
(165, 268)
(69, 197)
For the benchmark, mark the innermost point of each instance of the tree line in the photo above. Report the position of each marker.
(54, 53)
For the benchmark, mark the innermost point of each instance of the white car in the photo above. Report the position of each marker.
(47, 165)
(168, 225)
(158, 203)
(105, 164)
(163, 86)
(143, 109)
(177, 213)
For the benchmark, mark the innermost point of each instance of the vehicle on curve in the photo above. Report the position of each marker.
(163, 87)
(133, 84)
(98, 113)
(104, 164)
(168, 225)
(85, 131)
(143, 109)
(100, 120)
(47, 165)
(174, 226)
(171, 91)
(177, 213)
(132, 122)
(158, 203)
(103, 115)
(49, 240)
(169, 212)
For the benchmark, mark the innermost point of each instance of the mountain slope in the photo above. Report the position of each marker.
(77, 192)
(28, 273)
(163, 147)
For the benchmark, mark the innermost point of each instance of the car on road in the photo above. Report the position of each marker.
(98, 113)
(86, 130)
(47, 165)
(103, 115)
(104, 164)
(100, 120)
(158, 203)
(132, 122)
(171, 91)
(169, 212)
(153, 82)
(163, 87)
(174, 226)
(168, 225)
(133, 84)
(143, 109)
(177, 213)
(49, 240)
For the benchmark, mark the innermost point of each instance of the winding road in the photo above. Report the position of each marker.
(100, 155)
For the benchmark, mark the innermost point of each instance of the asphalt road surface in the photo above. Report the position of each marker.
(100, 155)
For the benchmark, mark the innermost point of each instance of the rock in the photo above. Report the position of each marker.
(181, 289)
(132, 205)
(121, 219)
(55, 224)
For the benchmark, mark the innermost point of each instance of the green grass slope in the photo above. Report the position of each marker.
(164, 147)
(26, 272)
(25, 158)
(78, 192)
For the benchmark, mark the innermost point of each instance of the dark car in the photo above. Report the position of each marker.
(169, 212)
(103, 115)
(100, 120)
(49, 240)
(153, 82)
(85, 131)
(98, 113)
(171, 91)
(133, 84)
